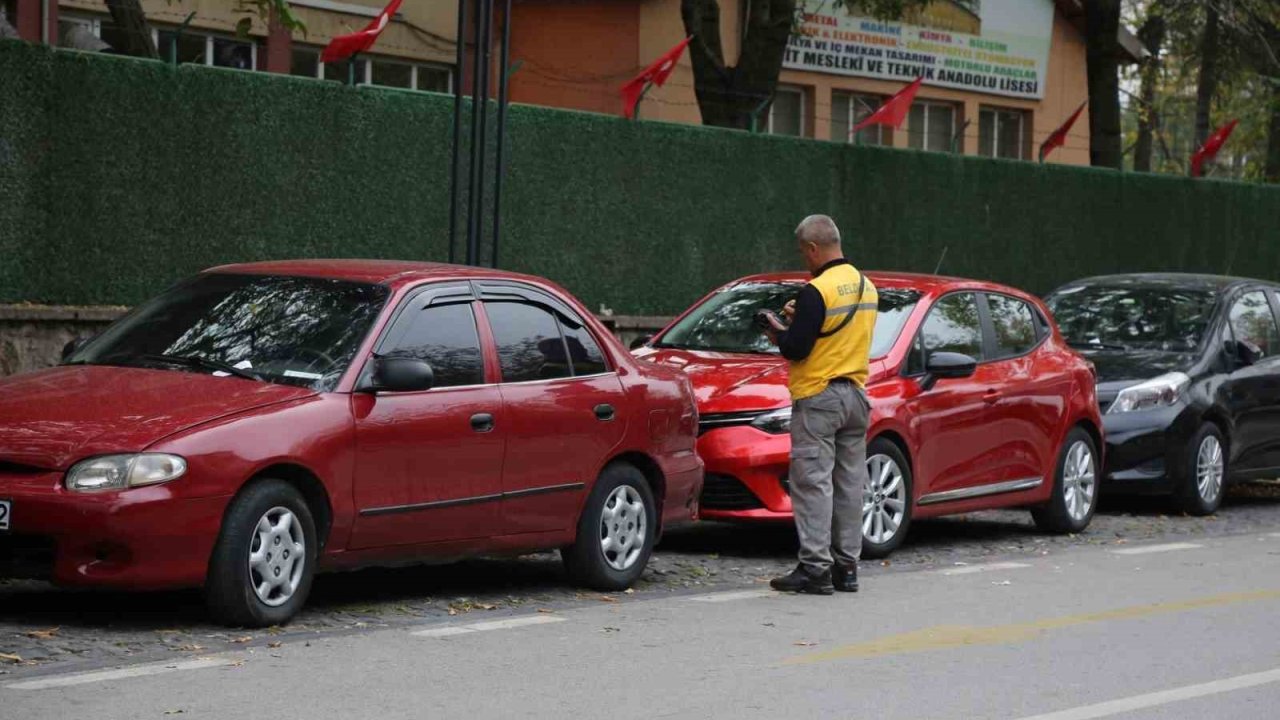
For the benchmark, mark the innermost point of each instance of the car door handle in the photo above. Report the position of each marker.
(482, 422)
(605, 412)
(990, 397)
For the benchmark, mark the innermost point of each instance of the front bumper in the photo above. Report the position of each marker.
(145, 538)
(746, 475)
(1144, 449)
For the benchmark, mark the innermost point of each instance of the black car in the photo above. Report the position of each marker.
(1188, 379)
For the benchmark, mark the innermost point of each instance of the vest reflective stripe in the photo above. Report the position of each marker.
(843, 354)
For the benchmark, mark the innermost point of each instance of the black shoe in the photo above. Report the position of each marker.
(845, 578)
(804, 580)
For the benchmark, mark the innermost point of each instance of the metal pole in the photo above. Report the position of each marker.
(473, 211)
(486, 28)
(459, 62)
(351, 70)
(502, 127)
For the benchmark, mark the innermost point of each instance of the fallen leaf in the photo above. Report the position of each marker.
(545, 610)
(42, 634)
(607, 598)
(630, 591)
(486, 606)
(804, 643)
(6, 657)
(242, 640)
(174, 712)
(453, 611)
(274, 645)
(768, 625)
(189, 648)
(238, 663)
(275, 630)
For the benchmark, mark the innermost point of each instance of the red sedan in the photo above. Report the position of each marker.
(977, 403)
(259, 422)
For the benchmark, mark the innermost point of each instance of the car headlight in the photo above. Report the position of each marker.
(775, 422)
(1157, 392)
(117, 472)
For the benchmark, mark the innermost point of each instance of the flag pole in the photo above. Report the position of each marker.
(503, 88)
(479, 106)
(460, 61)
(635, 113)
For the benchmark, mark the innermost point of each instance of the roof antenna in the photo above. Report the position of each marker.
(941, 257)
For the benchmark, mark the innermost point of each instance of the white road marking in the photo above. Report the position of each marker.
(1149, 549)
(84, 678)
(731, 596)
(989, 567)
(451, 630)
(1156, 699)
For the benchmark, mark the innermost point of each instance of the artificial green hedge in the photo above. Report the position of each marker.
(118, 176)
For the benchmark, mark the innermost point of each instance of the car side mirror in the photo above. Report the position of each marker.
(946, 366)
(640, 342)
(1244, 352)
(72, 346)
(400, 374)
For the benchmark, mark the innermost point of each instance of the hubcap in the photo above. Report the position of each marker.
(277, 556)
(623, 528)
(884, 500)
(1210, 469)
(1079, 481)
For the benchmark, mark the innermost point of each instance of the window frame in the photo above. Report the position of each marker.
(804, 108)
(989, 325)
(917, 339)
(956, 111)
(416, 67)
(518, 292)
(1024, 146)
(401, 318)
(849, 98)
(1273, 307)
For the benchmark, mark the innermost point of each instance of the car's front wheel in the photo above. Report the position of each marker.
(1200, 485)
(886, 499)
(615, 532)
(261, 570)
(1075, 488)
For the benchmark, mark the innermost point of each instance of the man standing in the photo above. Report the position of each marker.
(827, 344)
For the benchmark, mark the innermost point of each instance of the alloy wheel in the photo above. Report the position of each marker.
(1210, 469)
(277, 556)
(623, 527)
(1079, 481)
(884, 500)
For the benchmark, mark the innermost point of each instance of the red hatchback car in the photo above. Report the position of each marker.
(977, 403)
(259, 422)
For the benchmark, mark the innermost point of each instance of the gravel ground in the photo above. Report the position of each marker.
(46, 629)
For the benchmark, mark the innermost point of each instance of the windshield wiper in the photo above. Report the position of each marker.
(1095, 346)
(195, 361)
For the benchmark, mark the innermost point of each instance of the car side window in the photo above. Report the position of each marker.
(1252, 321)
(530, 346)
(1015, 325)
(445, 336)
(953, 326)
(584, 352)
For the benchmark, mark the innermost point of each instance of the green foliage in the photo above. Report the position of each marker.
(120, 176)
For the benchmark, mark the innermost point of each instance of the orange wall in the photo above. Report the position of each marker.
(575, 54)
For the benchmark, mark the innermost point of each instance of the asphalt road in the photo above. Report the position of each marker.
(940, 621)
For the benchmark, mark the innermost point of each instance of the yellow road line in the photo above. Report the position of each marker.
(945, 637)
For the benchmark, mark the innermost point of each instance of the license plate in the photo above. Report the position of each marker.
(6, 509)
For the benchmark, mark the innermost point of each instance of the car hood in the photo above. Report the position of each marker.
(53, 418)
(1133, 366)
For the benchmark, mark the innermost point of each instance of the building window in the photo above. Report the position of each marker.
(374, 71)
(849, 109)
(786, 113)
(932, 126)
(1003, 133)
(198, 49)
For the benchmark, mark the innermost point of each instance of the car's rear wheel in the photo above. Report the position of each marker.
(262, 567)
(886, 499)
(615, 532)
(1202, 478)
(1075, 489)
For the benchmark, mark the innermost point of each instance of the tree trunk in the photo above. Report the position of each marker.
(1102, 20)
(1208, 84)
(730, 96)
(128, 16)
(1152, 35)
(1272, 170)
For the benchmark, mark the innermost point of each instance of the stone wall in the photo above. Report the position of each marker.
(32, 336)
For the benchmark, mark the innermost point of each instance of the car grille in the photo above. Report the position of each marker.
(26, 556)
(718, 420)
(723, 492)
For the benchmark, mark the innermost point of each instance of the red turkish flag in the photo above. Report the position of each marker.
(894, 110)
(344, 46)
(657, 73)
(1211, 147)
(1059, 137)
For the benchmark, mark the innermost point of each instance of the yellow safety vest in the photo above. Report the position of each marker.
(842, 349)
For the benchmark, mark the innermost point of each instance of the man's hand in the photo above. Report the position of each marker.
(775, 326)
(789, 310)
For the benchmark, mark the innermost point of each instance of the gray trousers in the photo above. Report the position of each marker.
(828, 473)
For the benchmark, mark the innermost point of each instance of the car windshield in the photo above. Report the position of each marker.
(289, 330)
(1133, 318)
(724, 323)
